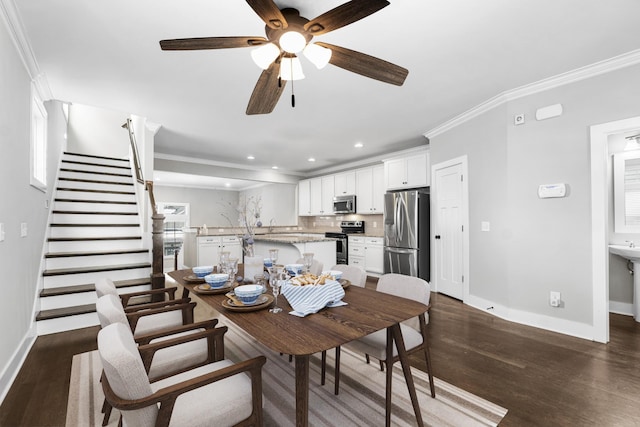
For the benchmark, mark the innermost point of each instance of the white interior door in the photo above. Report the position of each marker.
(450, 217)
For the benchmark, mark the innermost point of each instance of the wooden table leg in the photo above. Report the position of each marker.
(302, 390)
(406, 369)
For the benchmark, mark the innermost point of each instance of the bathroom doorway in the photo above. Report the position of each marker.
(600, 184)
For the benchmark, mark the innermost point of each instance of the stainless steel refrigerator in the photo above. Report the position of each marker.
(406, 233)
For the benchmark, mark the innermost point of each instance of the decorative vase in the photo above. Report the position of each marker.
(253, 265)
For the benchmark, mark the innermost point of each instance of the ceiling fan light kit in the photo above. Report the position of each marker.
(288, 33)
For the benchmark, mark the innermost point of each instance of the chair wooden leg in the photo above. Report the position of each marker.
(290, 358)
(337, 372)
(323, 367)
(388, 378)
(107, 412)
(381, 365)
(367, 358)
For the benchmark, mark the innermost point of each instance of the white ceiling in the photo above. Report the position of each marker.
(459, 53)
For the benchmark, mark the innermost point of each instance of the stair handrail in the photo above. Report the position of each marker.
(134, 149)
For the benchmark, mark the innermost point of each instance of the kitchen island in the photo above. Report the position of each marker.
(292, 246)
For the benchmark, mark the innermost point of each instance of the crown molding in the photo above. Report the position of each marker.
(14, 25)
(586, 72)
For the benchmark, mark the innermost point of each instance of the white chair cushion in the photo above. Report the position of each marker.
(158, 322)
(124, 369)
(353, 273)
(178, 357)
(375, 344)
(105, 286)
(222, 403)
(109, 309)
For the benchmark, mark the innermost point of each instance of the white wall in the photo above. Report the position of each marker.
(97, 131)
(20, 257)
(536, 246)
(206, 206)
(279, 205)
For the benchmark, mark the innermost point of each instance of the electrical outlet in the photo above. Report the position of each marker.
(485, 226)
(554, 299)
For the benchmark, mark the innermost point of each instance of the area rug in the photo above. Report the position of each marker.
(360, 403)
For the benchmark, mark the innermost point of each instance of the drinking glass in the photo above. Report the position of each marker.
(273, 255)
(224, 259)
(233, 269)
(308, 261)
(275, 281)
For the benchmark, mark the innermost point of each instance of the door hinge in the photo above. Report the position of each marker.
(461, 177)
(462, 227)
(462, 279)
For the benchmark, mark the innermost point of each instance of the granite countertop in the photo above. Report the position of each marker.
(288, 238)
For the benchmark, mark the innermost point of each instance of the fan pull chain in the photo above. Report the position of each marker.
(293, 97)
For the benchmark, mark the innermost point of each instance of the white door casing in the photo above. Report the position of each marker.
(450, 223)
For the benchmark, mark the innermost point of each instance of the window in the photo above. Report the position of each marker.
(38, 142)
(176, 218)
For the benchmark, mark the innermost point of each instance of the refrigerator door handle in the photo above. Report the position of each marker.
(400, 251)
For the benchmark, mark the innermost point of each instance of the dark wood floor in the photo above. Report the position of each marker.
(542, 378)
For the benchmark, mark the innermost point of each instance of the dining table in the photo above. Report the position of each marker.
(367, 311)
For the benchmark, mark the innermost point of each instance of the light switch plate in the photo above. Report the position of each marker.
(485, 226)
(23, 229)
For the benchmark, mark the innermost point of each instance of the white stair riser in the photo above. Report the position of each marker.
(81, 158)
(96, 176)
(94, 231)
(94, 245)
(95, 207)
(81, 298)
(68, 323)
(94, 185)
(94, 219)
(83, 195)
(88, 261)
(85, 278)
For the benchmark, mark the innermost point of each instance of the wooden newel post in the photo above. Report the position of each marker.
(157, 240)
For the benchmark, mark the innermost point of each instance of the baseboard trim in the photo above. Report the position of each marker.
(12, 368)
(549, 323)
(621, 308)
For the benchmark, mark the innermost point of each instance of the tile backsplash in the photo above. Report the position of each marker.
(320, 224)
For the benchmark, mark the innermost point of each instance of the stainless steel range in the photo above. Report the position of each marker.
(347, 227)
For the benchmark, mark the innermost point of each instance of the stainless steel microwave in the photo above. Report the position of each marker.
(344, 204)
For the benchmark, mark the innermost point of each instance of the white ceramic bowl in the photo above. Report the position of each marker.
(335, 273)
(248, 294)
(216, 280)
(294, 269)
(202, 270)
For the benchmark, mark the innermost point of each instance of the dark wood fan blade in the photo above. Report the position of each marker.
(344, 14)
(211, 43)
(366, 65)
(267, 92)
(269, 13)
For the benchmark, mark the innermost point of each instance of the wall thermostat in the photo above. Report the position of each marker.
(546, 191)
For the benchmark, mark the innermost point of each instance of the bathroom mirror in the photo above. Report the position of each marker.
(626, 196)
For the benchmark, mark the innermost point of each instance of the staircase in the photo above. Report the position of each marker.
(94, 231)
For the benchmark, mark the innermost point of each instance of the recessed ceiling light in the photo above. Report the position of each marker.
(274, 167)
(311, 159)
(250, 157)
(358, 145)
(226, 184)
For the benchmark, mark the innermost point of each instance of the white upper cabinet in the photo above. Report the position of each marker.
(345, 184)
(328, 191)
(304, 197)
(409, 171)
(370, 190)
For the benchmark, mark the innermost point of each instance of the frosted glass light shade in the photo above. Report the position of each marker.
(318, 55)
(291, 69)
(265, 55)
(292, 42)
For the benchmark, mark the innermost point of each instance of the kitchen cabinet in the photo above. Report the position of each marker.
(321, 195)
(304, 197)
(370, 190)
(209, 248)
(411, 171)
(366, 252)
(344, 184)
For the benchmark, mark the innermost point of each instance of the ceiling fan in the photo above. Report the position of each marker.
(288, 34)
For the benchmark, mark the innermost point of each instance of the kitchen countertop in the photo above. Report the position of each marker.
(290, 238)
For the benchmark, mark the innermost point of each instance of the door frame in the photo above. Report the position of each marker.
(600, 220)
(463, 161)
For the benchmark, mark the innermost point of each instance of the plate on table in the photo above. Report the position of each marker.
(204, 289)
(194, 279)
(345, 283)
(263, 301)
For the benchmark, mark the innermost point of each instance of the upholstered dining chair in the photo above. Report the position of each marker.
(215, 394)
(316, 266)
(414, 331)
(105, 286)
(357, 276)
